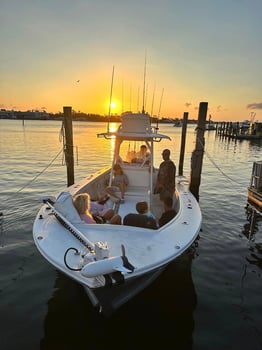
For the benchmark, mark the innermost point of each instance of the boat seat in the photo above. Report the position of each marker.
(140, 220)
(138, 178)
(64, 205)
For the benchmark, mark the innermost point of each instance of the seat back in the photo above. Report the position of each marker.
(139, 220)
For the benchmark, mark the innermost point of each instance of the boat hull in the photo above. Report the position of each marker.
(107, 299)
(255, 197)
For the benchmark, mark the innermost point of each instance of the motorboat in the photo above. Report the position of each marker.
(178, 123)
(210, 125)
(115, 262)
(253, 132)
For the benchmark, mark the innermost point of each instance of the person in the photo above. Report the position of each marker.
(169, 212)
(119, 182)
(143, 219)
(142, 156)
(100, 209)
(166, 176)
(142, 208)
(83, 207)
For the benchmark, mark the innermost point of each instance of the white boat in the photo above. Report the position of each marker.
(115, 262)
(210, 125)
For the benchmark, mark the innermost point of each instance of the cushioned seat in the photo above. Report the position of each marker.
(64, 204)
(139, 220)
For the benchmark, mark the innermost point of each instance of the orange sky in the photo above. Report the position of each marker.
(196, 51)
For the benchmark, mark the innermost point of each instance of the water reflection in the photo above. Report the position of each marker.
(254, 217)
(251, 228)
(161, 317)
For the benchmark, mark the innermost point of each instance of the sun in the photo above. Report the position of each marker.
(113, 104)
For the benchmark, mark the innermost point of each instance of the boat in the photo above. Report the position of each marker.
(210, 125)
(178, 123)
(115, 262)
(255, 187)
(252, 132)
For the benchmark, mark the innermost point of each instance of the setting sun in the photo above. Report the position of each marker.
(113, 104)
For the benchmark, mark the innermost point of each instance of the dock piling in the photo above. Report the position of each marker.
(197, 155)
(183, 142)
(69, 153)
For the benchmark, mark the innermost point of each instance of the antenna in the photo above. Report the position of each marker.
(159, 107)
(138, 92)
(110, 100)
(153, 100)
(122, 96)
(130, 107)
(143, 107)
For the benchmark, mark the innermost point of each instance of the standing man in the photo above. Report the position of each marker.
(166, 178)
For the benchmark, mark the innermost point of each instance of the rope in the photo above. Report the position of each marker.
(40, 173)
(216, 166)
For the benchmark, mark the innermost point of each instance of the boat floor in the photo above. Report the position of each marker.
(129, 206)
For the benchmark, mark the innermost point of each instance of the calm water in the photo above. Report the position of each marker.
(208, 299)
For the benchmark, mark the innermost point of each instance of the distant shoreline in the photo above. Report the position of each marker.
(12, 115)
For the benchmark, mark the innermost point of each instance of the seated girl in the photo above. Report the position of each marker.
(119, 182)
(83, 206)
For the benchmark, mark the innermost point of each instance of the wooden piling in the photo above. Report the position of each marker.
(69, 149)
(183, 142)
(197, 155)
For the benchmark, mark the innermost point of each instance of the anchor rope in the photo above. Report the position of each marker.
(216, 166)
(36, 176)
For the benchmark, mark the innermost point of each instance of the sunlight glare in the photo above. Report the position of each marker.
(113, 104)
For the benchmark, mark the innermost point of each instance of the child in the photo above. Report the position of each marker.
(120, 181)
(142, 208)
(82, 205)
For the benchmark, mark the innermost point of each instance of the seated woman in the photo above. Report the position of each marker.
(83, 206)
(119, 182)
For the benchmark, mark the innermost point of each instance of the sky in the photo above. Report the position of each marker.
(165, 55)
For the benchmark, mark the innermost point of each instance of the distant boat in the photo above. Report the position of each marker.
(178, 123)
(210, 125)
(253, 132)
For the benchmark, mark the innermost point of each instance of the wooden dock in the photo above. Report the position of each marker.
(236, 130)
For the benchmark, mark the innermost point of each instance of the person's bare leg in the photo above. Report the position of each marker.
(122, 188)
(111, 193)
(109, 214)
(116, 220)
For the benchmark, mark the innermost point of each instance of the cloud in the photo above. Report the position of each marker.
(254, 105)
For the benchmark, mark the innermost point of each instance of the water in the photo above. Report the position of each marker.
(208, 299)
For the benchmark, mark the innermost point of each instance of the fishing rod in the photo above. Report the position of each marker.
(153, 100)
(159, 108)
(110, 100)
(143, 106)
